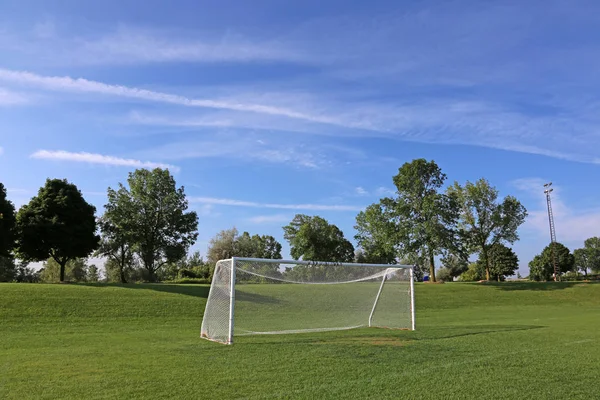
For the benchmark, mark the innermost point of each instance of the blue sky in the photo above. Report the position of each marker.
(265, 109)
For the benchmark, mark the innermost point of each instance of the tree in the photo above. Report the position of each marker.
(117, 228)
(313, 238)
(8, 269)
(474, 272)
(57, 223)
(376, 236)
(502, 262)
(7, 224)
(92, 274)
(151, 215)
(485, 221)
(588, 257)
(454, 265)
(419, 219)
(541, 268)
(228, 243)
(75, 270)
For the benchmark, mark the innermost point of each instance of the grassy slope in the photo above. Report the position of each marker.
(141, 341)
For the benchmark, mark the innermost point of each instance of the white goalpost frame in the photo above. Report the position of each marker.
(234, 261)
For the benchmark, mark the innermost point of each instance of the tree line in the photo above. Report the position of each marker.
(146, 231)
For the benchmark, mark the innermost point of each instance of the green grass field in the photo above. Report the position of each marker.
(511, 340)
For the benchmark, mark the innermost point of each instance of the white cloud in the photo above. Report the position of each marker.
(572, 225)
(10, 98)
(267, 219)
(98, 159)
(384, 191)
(360, 191)
(242, 203)
(244, 147)
(82, 85)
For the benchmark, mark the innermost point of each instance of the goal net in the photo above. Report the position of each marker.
(264, 296)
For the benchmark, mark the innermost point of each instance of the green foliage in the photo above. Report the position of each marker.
(8, 269)
(76, 270)
(376, 237)
(419, 219)
(445, 275)
(151, 216)
(117, 226)
(313, 238)
(454, 265)
(475, 272)
(503, 262)
(588, 257)
(56, 223)
(7, 225)
(92, 274)
(483, 220)
(541, 268)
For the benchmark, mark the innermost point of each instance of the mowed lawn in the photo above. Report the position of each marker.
(476, 341)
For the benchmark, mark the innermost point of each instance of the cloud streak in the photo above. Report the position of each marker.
(252, 204)
(9, 98)
(91, 158)
(270, 219)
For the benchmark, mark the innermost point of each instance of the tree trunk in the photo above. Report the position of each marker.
(62, 270)
(122, 274)
(487, 264)
(431, 266)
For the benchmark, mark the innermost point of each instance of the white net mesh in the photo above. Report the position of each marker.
(275, 297)
(215, 323)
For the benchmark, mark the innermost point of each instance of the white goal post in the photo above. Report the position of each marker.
(255, 296)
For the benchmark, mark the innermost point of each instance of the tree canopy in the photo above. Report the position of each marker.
(7, 224)
(313, 238)
(152, 215)
(503, 262)
(484, 221)
(57, 223)
(588, 257)
(419, 219)
(541, 268)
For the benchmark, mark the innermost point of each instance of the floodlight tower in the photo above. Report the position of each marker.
(552, 230)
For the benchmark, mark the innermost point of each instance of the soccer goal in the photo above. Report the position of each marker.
(250, 296)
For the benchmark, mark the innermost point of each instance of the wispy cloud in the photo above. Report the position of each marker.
(573, 225)
(68, 84)
(91, 158)
(270, 219)
(242, 203)
(384, 191)
(360, 191)
(243, 147)
(10, 98)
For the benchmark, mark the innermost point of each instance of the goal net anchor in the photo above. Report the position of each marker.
(254, 296)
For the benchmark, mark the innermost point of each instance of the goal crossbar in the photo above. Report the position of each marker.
(220, 312)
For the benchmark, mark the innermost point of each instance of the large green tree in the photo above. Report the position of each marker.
(75, 270)
(588, 257)
(376, 236)
(502, 260)
(228, 243)
(117, 227)
(420, 219)
(153, 213)
(57, 223)
(484, 220)
(7, 224)
(541, 268)
(313, 238)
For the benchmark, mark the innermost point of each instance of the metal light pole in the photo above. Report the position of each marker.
(552, 230)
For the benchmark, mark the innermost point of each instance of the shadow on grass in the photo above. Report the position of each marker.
(189, 290)
(382, 335)
(535, 286)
